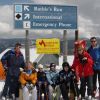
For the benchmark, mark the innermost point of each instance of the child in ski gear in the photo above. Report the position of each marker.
(42, 83)
(94, 51)
(28, 79)
(12, 61)
(67, 82)
(82, 65)
(51, 77)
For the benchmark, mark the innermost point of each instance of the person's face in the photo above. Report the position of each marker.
(52, 68)
(66, 68)
(93, 42)
(40, 69)
(80, 51)
(17, 49)
(29, 67)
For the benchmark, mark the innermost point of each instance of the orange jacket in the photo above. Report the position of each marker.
(24, 77)
(2, 72)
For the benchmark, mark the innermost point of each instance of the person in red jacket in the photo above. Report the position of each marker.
(82, 64)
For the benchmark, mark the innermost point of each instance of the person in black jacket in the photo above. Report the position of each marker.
(42, 83)
(12, 61)
(67, 82)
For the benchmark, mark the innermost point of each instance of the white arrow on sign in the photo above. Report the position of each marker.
(27, 16)
(26, 8)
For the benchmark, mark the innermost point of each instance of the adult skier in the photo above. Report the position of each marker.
(83, 66)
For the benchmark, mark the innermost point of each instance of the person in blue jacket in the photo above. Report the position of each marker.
(94, 51)
(12, 61)
(51, 77)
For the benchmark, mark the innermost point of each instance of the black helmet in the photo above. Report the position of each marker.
(65, 64)
(52, 65)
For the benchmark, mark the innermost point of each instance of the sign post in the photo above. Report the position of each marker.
(65, 46)
(27, 53)
(76, 35)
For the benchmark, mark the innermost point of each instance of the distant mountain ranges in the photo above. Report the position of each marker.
(6, 43)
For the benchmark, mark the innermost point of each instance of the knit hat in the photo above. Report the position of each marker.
(80, 44)
(80, 47)
(40, 66)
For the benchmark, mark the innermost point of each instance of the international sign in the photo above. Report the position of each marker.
(48, 46)
(29, 16)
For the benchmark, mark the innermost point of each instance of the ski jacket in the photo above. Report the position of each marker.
(13, 62)
(2, 72)
(41, 76)
(52, 77)
(25, 77)
(83, 69)
(95, 54)
(65, 77)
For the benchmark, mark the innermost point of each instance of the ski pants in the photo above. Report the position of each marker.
(42, 89)
(11, 86)
(26, 94)
(64, 91)
(51, 91)
(86, 81)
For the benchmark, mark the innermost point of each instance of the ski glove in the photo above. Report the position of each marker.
(84, 60)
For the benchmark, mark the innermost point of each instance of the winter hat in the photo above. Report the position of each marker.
(80, 47)
(65, 64)
(40, 66)
(79, 44)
